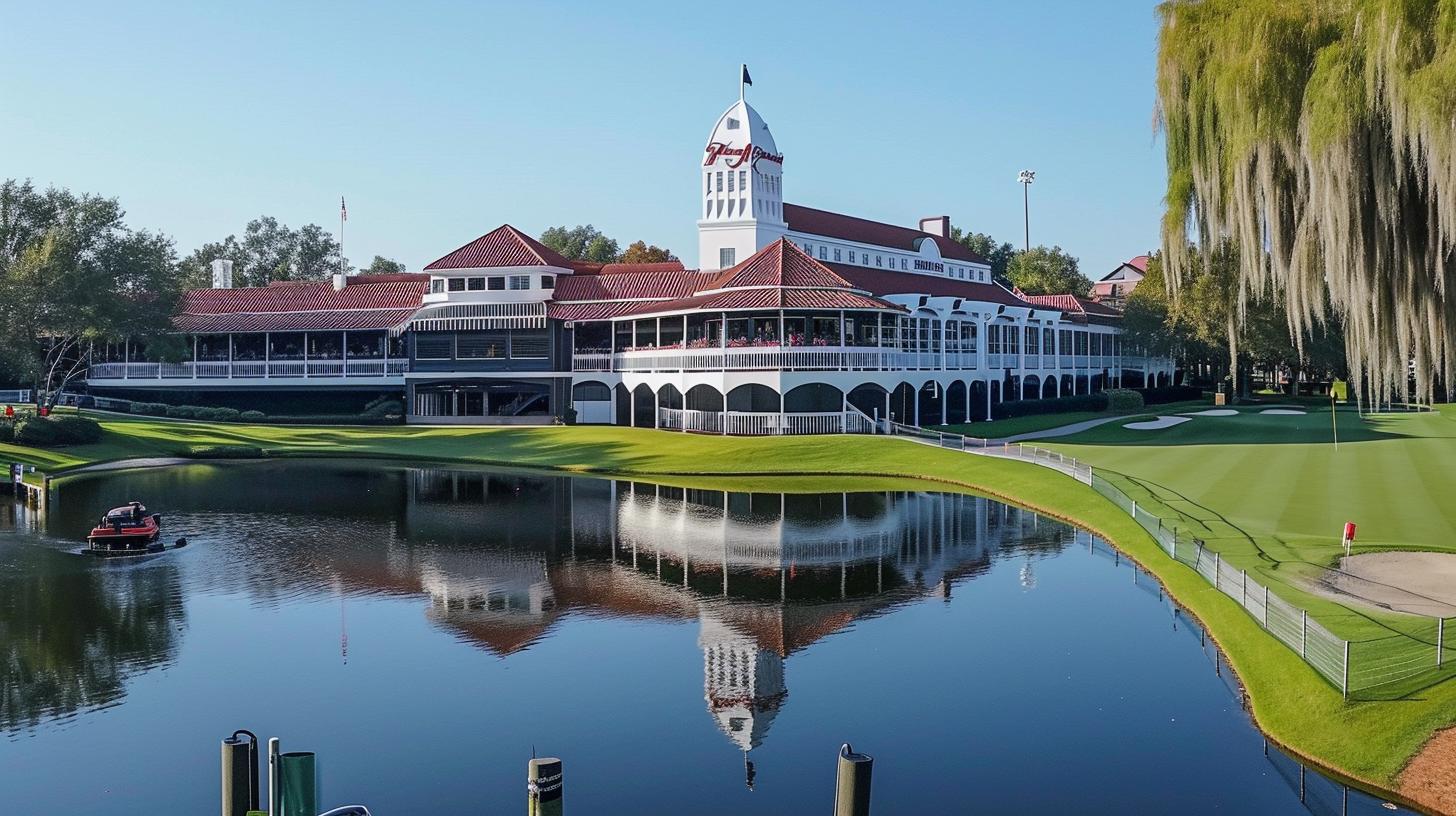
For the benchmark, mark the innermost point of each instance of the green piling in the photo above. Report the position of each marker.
(298, 775)
(543, 787)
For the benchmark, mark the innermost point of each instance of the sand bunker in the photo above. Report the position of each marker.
(1421, 583)
(1283, 412)
(1214, 412)
(1156, 424)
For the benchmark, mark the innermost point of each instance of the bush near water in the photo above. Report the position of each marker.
(50, 432)
(383, 411)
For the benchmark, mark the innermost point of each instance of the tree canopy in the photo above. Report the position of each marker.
(383, 266)
(640, 252)
(1317, 136)
(1047, 271)
(581, 243)
(73, 273)
(269, 251)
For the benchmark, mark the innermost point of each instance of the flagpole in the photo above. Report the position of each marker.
(742, 71)
(343, 215)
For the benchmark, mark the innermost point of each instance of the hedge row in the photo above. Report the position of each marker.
(48, 432)
(1056, 405)
(1170, 393)
(227, 452)
(377, 414)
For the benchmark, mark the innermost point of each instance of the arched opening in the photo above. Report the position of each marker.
(704, 398)
(1066, 387)
(1082, 384)
(1099, 383)
(995, 393)
(870, 399)
(978, 401)
(644, 409)
(1011, 389)
(1162, 380)
(956, 409)
(754, 398)
(624, 405)
(1031, 387)
(1132, 379)
(902, 403)
(813, 398)
(932, 398)
(1049, 388)
(592, 402)
(669, 397)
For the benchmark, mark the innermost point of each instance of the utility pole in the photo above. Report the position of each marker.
(1026, 177)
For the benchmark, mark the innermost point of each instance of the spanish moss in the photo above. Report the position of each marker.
(1317, 135)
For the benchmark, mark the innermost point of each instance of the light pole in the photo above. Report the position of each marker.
(1026, 177)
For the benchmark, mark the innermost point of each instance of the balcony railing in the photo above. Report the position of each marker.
(248, 369)
(823, 358)
(744, 423)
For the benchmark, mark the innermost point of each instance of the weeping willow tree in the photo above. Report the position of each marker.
(1320, 137)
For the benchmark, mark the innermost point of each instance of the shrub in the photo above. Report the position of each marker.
(384, 407)
(36, 432)
(181, 412)
(1124, 399)
(1170, 393)
(227, 452)
(7, 431)
(149, 408)
(1057, 405)
(252, 416)
(76, 430)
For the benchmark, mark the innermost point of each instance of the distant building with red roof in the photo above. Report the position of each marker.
(1114, 287)
(797, 320)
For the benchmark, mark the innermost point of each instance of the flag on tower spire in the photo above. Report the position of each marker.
(744, 79)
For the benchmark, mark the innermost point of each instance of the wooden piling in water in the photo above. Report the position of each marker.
(852, 785)
(543, 787)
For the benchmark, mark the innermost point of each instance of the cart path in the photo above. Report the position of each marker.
(1064, 430)
(125, 464)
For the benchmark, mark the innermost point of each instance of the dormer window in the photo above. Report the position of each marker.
(732, 123)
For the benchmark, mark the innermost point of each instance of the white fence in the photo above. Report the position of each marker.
(17, 396)
(248, 369)
(747, 423)
(1069, 465)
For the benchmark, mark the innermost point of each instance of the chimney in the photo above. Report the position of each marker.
(222, 274)
(340, 281)
(936, 225)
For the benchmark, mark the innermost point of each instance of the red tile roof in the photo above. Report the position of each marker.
(1073, 304)
(1140, 263)
(366, 302)
(885, 282)
(667, 283)
(362, 292)
(781, 263)
(833, 225)
(502, 246)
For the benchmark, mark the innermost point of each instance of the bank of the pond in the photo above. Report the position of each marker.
(1368, 742)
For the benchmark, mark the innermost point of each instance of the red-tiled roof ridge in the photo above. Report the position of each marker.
(656, 266)
(1074, 304)
(306, 296)
(1139, 262)
(851, 228)
(883, 282)
(781, 263)
(503, 246)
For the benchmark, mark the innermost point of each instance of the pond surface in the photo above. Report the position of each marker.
(425, 629)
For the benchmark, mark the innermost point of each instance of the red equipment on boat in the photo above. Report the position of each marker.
(128, 530)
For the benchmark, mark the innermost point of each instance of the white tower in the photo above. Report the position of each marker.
(740, 190)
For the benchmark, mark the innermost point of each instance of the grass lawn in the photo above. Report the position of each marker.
(1277, 475)
(1002, 428)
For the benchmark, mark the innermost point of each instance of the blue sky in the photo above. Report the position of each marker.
(440, 121)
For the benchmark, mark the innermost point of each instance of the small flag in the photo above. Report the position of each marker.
(343, 211)
(747, 80)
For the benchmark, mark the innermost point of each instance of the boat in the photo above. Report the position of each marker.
(128, 530)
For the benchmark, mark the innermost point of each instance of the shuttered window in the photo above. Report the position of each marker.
(433, 346)
(533, 346)
(480, 345)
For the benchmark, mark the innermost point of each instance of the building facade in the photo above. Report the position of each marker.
(798, 320)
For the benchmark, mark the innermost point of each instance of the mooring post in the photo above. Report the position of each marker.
(852, 785)
(543, 787)
(239, 774)
(1440, 639)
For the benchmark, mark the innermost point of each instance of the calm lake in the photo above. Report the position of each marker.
(424, 629)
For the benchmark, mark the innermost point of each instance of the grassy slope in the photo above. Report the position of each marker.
(1002, 428)
(1369, 740)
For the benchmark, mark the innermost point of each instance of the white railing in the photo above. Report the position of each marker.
(1080, 471)
(752, 423)
(248, 369)
(21, 396)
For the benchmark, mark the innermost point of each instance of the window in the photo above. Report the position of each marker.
(708, 182)
(1047, 342)
(433, 345)
(495, 284)
(519, 282)
(743, 179)
(823, 253)
(904, 263)
(851, 256)
(532, 346)
(732, 123)
(475, 284)
(878, 261)
(480, 345)
(1031, 334)
(730, 183)
(590, 392)
(457, 284)
(548, 281)
(720, 181)
(836, 254)
(437, 286)
(726, 257)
